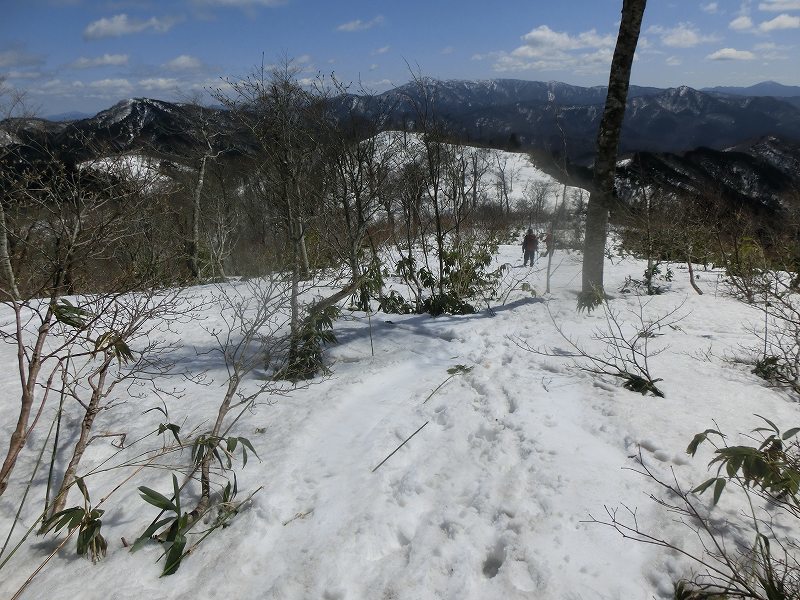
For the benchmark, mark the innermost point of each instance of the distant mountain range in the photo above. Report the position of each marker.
(507, 113)
(527, 114)
(743, 141)
(765, 88)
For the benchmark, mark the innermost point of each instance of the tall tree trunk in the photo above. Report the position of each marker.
(294, 302)
(607, 145)
(194, 243)
(299, 231)
(439, 240)
(5, 257)
(304, 252)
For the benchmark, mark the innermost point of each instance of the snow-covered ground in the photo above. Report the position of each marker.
(488, 501)
(136, 167)
(524, 182)
(527, 180)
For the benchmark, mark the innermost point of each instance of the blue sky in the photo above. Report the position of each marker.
(85, 55)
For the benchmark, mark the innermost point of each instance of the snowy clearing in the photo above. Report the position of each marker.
(506, 173)
(136, 167)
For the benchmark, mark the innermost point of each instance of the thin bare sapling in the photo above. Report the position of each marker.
(121, 350)
(254, 331)
(622, 348)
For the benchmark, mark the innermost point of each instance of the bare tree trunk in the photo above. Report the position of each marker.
(92, 410)
(298, 230)
(649, 233)
(194, 243)
(5, 257)
(17, 441)
(216, 431)
(439, 239)
(503, 183)
(304, 252)
(295, 325)
(474, 186)
(691, 277)
(607, 146)
(28, 374)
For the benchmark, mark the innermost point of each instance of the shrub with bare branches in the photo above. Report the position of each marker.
(624, 346)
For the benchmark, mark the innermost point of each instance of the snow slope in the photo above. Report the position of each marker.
(488, 501)
(526, 176)
(136, 167)
(524, 180)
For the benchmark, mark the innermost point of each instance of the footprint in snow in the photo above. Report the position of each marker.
(494, 560)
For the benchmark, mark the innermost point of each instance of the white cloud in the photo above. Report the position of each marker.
(731, 54)
(783, 21)
(100, 61)
(112, 85)
(772, 51)
(19, 58)
(59, 86)
(52, 84)
(779, 5)
(382, 50)
(601, 56)
(159, 83)
(586, 63)
(448, 50)
(741, 23)
(64, 89)
(23, 75)
(543, 38)
(492, 55)
(711, 8)
(184, 62)
(673, 61)
(684, 35)
(120, 25)
(547, 50)
(382, 83)
(359, 25)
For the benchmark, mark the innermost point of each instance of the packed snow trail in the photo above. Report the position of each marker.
(490, 499)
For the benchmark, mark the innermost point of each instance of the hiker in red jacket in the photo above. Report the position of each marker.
(529, 246)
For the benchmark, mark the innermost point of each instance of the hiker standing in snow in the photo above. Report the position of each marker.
(529, 245)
